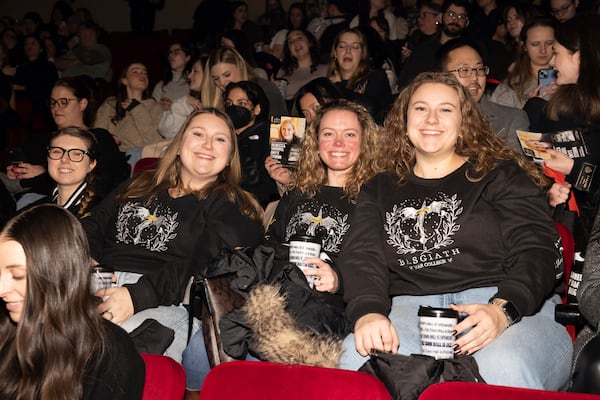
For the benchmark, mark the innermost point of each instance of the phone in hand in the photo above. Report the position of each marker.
(15, 156)
(546, 76)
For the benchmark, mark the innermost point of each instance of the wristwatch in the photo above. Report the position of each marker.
(508, 308)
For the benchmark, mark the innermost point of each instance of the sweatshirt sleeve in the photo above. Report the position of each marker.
(172, 120)
(588, 294)
(97, 224)
(362, 261)
(530, 239)
(104, 114)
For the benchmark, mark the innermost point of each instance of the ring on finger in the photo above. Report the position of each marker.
(111, 314)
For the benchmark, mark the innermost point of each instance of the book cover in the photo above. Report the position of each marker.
(286, 135)
(535, 144)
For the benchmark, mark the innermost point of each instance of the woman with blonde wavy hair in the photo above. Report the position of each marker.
(167, 224)
(226, 65)
(462, 223)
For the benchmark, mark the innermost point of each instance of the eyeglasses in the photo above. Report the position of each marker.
(63, 102)
(561, 10)
(424, 14)
(466, 72)
(453, 15)
(75, 155)
(241, 102)
(174, 52)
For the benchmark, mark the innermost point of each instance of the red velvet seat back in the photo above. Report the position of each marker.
(251, 380)
(165, 378)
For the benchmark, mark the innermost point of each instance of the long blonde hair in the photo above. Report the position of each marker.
(312, 171)
(476, 139)
(168, 173)
(212, 95)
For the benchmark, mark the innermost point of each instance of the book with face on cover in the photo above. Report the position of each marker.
(286, 136)
(535, 144)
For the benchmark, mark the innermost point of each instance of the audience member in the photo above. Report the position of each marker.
(350, 69)
(300, 63)
(463, 59)
(585, 378)
(71, 106)
(516, 15)
(415, 241)
(174, 83)
(71, 161)
(172, 119)
(132, 116)
(521, 83)
(166, 224)
(236, 39)
(273, 19)
(237, 18)
(32, 22)
(14, 49)
(483, 19)
(455, 20)
(563, 10)
(575, 105)
(429, 19)
(248, 107)
(313, 9)
(226, 65)
(368, 9)
(54, 343)
(309, 99)
(297, 19)
(325, 29)
(88, 58)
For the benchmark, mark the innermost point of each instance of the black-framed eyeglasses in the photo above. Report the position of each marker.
(63, 102)
(424, 14)
(176, 51)
(561, 10)
(460, 17)
(466, 72)
(75, 155)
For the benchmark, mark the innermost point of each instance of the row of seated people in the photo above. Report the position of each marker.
(167, 224)
(475, 68)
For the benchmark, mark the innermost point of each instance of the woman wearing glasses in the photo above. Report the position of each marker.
(563, 10)
(71, 104)
(71, 162)
(174, 84)
(350, 69)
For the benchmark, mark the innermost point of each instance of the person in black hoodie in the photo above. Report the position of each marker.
(248, 107)
(461, 223)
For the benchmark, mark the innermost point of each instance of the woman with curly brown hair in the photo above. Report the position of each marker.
(461, 223)
(54, 344)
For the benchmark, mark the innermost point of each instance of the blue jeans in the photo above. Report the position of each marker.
(174, 317)
(195, 362)
(534, 353)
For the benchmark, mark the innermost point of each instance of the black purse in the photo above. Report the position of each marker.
(152, 337)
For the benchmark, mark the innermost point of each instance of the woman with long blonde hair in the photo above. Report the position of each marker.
(167, 224)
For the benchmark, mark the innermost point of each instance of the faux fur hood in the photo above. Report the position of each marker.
(277, 337)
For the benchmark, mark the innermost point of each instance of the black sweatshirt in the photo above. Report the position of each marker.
(435, 236)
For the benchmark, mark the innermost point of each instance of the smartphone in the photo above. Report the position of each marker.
(15, 156)
(545, 77)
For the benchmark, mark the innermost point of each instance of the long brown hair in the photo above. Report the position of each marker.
(477, 140)
(312, 171)
(364, 65)
(60, 334)
(168, 173)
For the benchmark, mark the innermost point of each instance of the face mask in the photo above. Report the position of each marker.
(240, 116)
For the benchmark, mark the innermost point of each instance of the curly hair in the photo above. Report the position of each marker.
(168, 173)
(476, 140)
(312, 171)
(364, 66)
(60, 335)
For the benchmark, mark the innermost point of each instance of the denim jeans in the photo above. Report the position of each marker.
(174, 317)
(533, 353)
(195, 362)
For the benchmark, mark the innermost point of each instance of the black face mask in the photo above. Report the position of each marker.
(240, 116)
